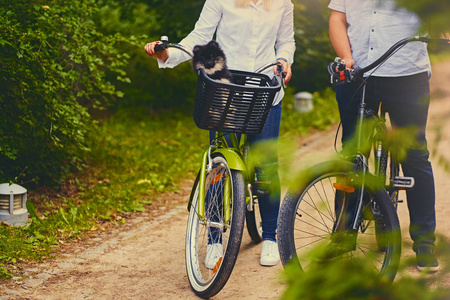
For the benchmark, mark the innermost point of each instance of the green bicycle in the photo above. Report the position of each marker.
(224, 193)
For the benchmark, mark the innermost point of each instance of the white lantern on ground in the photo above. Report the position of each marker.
(303, 102)
(13, 209)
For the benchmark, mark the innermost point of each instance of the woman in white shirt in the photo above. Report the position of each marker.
(252, 33)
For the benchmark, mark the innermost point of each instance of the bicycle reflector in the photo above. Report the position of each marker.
(217, 266)
(343, 187)
(217, 178)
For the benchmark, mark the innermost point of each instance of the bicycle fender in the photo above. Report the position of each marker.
(233, 158)
(235, 162)
(194, 187)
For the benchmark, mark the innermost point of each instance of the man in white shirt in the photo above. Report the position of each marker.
(360, 32)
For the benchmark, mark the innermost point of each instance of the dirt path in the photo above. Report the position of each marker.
(144, 259)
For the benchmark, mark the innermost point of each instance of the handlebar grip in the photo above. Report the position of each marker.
(160, 47)
(163, 46)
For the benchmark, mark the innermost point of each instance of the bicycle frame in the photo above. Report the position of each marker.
(361, 161)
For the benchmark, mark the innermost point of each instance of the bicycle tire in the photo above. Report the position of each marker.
(253, 221)
(206, 282)
(299, 231)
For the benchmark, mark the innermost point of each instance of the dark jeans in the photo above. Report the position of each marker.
(264, 149)
(406, 99)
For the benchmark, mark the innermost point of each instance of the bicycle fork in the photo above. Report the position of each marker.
(350, 203)
(235, 162)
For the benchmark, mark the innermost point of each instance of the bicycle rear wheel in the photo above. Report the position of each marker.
(221, 182)
(309, 214)
(253, 220)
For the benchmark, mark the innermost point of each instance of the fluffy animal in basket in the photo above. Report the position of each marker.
(211, 58)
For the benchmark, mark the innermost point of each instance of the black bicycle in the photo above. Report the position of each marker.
(349, 205)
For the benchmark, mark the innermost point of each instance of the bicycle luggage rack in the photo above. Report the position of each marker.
(240, 107)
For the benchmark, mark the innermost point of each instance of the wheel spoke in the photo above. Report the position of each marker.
(310, 224)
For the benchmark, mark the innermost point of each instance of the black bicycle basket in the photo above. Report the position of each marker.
(240, 107)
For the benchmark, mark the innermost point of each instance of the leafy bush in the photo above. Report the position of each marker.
(313, 47)
(151, 87)
(55, 66)
(433, 13)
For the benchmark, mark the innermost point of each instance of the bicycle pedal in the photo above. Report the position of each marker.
(402, 182)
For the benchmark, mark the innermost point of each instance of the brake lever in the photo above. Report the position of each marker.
(281, 74)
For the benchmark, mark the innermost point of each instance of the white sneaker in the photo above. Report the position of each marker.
(213, 253)
(269, 254)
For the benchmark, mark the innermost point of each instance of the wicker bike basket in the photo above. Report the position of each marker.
(240, 107)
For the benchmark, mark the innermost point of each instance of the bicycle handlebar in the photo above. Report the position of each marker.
(165, 44)
(341, 75)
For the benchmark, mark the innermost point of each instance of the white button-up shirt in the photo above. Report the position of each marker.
(251, 37)
(374, 26)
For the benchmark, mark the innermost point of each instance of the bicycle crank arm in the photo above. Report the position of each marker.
(403, 182)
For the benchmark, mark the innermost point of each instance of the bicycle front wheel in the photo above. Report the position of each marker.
(309, 216)
(212, 243)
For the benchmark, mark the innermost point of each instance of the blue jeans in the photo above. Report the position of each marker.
(267, 170)
(406, 99)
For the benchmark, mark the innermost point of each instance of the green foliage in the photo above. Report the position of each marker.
(433, 13)
(313, 47)
(55, 66)
(151, 87)
(355, 279)
(324, 114)
(174, 20)
(4, 272)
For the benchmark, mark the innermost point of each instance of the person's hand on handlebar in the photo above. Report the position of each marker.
(349, 62)
(161, 55)
(286, 70)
